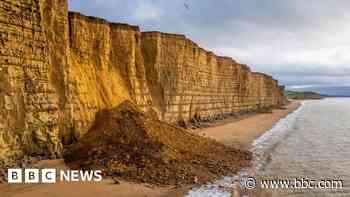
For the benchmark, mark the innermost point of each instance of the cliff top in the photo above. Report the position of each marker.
(93, 19)
(77, 15)
(165, 35)
(183, 37)
(263, 75)
(158, 33)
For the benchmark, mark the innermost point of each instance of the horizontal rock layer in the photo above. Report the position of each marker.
(58, 69)
(189, 82)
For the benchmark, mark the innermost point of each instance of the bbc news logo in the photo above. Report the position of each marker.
(52, 175)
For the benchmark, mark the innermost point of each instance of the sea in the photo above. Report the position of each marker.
(305, 154)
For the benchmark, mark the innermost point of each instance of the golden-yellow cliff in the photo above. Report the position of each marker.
(58, 69)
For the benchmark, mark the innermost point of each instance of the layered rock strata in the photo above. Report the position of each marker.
(29, 103)
(58, 69)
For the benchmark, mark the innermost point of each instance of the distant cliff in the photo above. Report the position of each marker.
(303, 95)
(58, 69)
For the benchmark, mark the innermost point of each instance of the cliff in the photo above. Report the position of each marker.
(106, 69)
(58, 69)
(189, 82)
(303, 95)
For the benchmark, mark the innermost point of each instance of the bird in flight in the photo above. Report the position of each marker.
(186, 6)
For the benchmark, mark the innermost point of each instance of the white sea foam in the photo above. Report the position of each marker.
(220, 188)
(225, 186)
(265, 144)
(281, 127)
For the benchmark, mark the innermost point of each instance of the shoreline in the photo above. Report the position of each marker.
(237, 132)
(241, 132)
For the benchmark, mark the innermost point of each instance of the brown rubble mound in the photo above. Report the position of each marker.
(134, 146)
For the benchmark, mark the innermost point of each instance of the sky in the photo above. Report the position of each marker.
(303, 44)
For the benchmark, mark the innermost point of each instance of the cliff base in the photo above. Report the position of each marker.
(134, 146)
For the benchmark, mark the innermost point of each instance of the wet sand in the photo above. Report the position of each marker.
(235, 132)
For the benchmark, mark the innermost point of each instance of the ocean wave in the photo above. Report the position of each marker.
(225, 186)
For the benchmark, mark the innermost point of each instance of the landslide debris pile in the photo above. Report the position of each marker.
(134, 146)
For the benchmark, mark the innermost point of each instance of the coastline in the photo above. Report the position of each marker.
(241, 132)
(236, 132)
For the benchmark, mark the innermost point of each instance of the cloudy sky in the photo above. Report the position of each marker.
(301, 43)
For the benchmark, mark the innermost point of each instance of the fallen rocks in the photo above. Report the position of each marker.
(131, 145)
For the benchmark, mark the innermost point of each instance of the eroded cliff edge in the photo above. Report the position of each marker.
(58, 69)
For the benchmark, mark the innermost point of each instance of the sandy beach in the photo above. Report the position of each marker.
(235, 132)
(241, 132)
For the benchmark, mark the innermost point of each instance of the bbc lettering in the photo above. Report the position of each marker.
(31, 176)
(49, 175)
(14, 175)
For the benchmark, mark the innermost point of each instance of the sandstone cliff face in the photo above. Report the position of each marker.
(54, 14)
(29, 115)
(188, 82)
(58, 69)
(106, 69)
